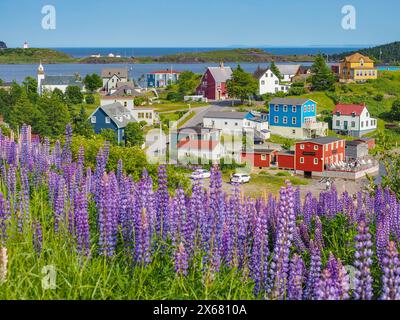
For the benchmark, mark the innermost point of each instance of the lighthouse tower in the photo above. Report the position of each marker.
(40, 77)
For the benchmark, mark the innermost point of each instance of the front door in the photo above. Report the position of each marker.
(345, 124)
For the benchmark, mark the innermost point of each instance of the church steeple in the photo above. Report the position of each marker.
(40, 78)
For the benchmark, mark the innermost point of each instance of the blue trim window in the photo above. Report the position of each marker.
(276, 108)
(293, 108)
(276, 120)
(285, 108)
(294, 120)
(107, 120)
(285, 120)
(93, 119)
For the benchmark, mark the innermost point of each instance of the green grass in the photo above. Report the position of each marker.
(187, 118)
(167, 106)
(33, 55)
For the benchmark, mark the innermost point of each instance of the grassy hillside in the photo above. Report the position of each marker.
(390, 53)
(378, 95)
(33, 55)
(232, 55)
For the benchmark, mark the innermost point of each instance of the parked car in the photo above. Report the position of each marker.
(200, 174)
(240, 178)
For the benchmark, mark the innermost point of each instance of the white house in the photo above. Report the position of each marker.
(268, 82)
(51, 82)
(353, 120)
(225, 121)
(139, 113)
(190, 151)
(111, 77)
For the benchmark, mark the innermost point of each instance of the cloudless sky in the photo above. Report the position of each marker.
(195, 23)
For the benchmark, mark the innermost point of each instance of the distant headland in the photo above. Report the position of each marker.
(388, 53)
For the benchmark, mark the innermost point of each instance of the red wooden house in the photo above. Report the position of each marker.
(285, 159)
(213, 83)
(313, 155)
(260, 158)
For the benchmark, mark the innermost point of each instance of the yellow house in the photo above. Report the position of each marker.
(357, 68)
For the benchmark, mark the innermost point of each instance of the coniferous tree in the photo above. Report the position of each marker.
(322, 78)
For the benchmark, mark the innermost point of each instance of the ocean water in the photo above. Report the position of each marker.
(19, 72)
(155, 52)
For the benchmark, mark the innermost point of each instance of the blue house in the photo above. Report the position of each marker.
(295, 118)
(112, 116)
(161, 78)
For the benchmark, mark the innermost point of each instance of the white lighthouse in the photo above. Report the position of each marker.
(40, 77)
(26, 45)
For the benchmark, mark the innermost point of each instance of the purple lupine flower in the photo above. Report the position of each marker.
(260, 252)
(382, 233)
(280, 263)
(296, 278)
(59, 204)
(162, 203)
(297, 241)
(339, 276)
(363, 262)
(318, 237)
(108, 216)
(314, 273)
(297, 202)
(66, 154)
(391, 273)
(181, 260)
(304, 233)
(4, 219)
(82, 233)
(37, 236)
(143, 238)
(326, 288)
(307, 208)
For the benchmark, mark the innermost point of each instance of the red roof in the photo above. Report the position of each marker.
(348, 109)
(197, 144)
(165, 71)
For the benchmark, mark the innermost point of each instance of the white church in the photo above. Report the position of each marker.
(50, 82)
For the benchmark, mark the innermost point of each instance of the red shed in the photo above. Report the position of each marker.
(260, 158)
(285, 160)
(213, 83)
(369, 141)
(313, 155)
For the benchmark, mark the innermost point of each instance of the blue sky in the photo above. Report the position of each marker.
(189, 23)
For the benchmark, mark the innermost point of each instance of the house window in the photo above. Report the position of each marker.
(93, 119)
(262, 82)
(337, 123)
(293, 131)
(302, 146)
(294, 120)
(367, 114)
(107, 120)
(293, 108)
(285, 120)
(226, 123)
(301, 160)
(236, 124)
(315, 160)
(125, 104)
(276, 82)
(275, 119)
(362, 124)
(276, 108)
(305, 108)
(263, 157)
(312, 108)
(353, 124)
(285, 108)
(326, 147)
(315, 147)
(366, 123)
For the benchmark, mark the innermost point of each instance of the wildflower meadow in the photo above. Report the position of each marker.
(70, 232)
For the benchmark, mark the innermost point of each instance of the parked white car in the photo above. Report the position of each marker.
(200, 174)
(240, 178)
